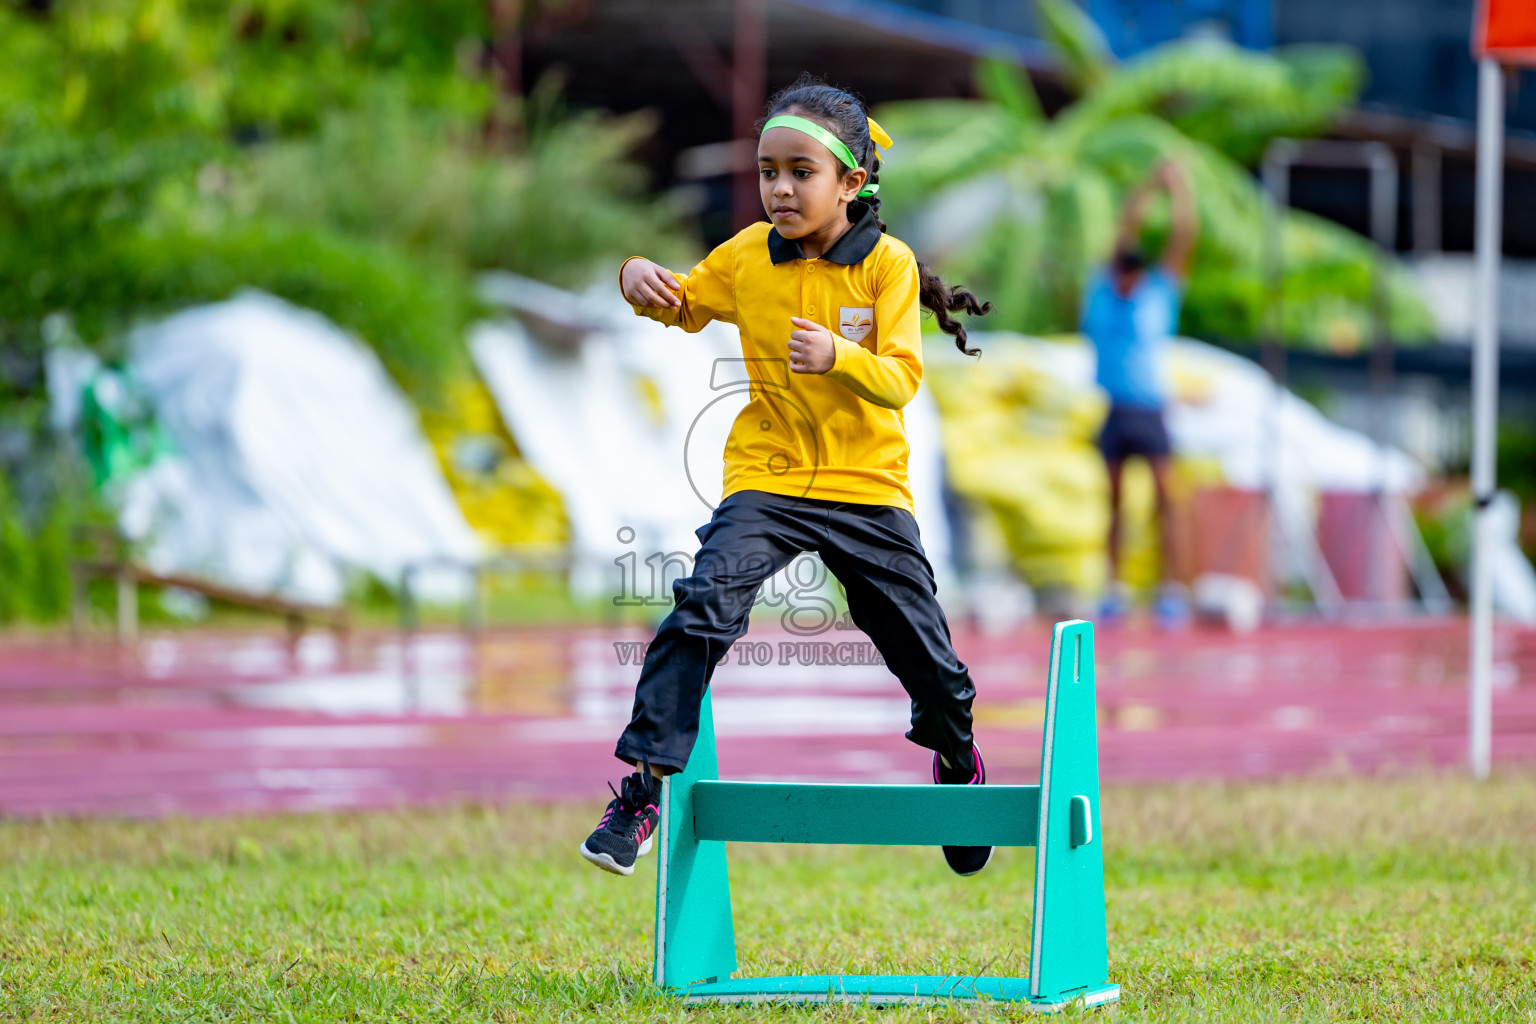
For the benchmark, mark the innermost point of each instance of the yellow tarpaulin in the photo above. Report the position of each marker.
(506, 502)
(1018, 440)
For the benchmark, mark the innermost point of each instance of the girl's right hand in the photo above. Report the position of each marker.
(643, 283)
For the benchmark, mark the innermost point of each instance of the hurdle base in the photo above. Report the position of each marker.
(885, 988)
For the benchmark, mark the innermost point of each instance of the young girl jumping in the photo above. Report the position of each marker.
(817, 461)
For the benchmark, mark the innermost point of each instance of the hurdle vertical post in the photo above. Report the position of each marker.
(695, 937)
(1070, 949)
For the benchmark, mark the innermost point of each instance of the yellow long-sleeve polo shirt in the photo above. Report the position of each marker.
(837, 435)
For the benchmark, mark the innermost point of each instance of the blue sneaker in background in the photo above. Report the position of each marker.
(1115, 605)
(1171, 610)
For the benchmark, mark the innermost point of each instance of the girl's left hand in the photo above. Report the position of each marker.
(810, 347)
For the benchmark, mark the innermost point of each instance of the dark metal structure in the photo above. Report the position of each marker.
(706, 66)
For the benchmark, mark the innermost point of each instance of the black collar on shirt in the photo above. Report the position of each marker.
(855, 244)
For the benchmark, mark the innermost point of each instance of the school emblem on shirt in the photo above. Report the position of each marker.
(855, 322)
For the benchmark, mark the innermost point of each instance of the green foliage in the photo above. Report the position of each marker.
(17, 567)
(418, 182)
(35, 552)
(1229, 98)
(1080, 45)
(1021, 210)
(997, 81)
(1517, 460)
(1446, 525)
(1517, 474)
(152, 68)
(349, 156)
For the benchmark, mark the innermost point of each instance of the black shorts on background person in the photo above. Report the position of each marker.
(1133, 430)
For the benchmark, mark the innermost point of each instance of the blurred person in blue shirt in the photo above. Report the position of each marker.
(1130, 308)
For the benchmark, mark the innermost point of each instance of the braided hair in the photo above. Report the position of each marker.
(842, 114)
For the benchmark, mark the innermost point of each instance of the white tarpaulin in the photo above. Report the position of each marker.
(628, 420)
(1226, 408)
(1229, 408)
(296, 456)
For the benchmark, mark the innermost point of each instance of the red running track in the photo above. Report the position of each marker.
(214, 723)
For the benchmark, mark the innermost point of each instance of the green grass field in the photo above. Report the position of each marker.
(1323, 899)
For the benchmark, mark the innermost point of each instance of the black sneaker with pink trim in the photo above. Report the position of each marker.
(628, 826)
(963, 860)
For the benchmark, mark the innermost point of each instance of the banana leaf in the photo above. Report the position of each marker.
(1022, 210)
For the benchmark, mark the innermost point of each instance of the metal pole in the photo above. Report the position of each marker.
(127, 605)
(1279, 157)
(1383, 169)
(79, 603)
(1426, 198)
(1485, 398)
(1277, 182)
(410, 684)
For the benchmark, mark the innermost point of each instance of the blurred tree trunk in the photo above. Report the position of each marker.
(506, 64)
(750, 64)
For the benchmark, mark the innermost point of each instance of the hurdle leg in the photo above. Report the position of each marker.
(695, 938)
(1070, 953)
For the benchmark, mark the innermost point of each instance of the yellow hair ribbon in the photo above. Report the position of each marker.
(877, 134)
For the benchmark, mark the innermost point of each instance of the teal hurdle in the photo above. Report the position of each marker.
(1069, 955)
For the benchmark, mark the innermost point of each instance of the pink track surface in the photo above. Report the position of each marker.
(215, 723)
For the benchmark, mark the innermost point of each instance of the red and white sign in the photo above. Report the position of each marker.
(1506, 31)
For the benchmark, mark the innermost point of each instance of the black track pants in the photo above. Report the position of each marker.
(873, 550)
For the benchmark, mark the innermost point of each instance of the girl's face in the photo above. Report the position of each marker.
(802, 184)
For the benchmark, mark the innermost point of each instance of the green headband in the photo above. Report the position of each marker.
(838, 147)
